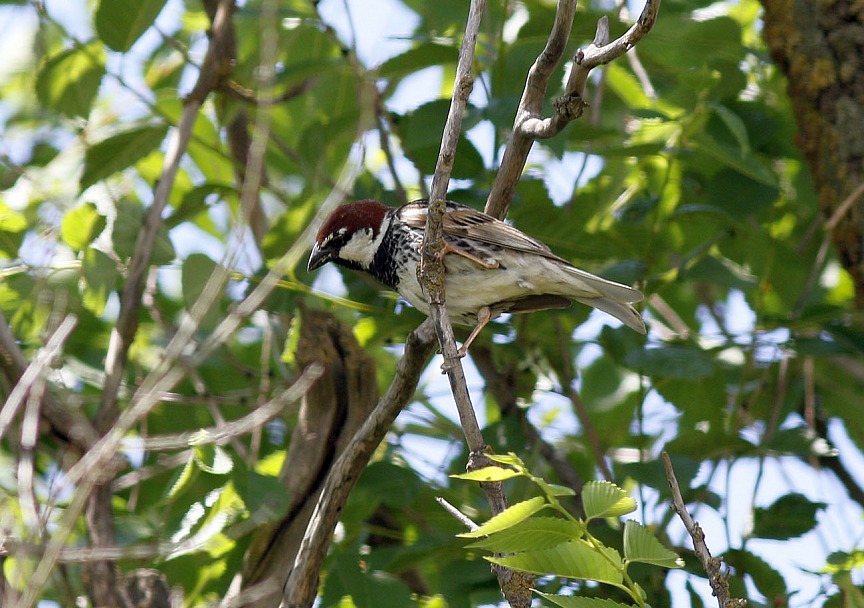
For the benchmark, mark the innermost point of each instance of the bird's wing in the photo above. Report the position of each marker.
(461, 221)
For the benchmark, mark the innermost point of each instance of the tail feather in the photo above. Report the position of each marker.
(622, 311)
(610, 297)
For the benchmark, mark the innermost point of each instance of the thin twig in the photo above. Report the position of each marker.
(35, 370)
(456, 513)
(717, 580)
(226, 431)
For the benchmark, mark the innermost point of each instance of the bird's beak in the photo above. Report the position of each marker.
(318, 258)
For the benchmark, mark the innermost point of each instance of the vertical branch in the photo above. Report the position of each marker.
(516, 586)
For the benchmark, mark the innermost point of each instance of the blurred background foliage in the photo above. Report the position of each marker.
(683, 177)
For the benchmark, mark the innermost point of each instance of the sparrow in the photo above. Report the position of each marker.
(490, 267)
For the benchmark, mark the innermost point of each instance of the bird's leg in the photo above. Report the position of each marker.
(487, 263)
(484, 315)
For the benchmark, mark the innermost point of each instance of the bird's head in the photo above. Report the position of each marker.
(350, 236)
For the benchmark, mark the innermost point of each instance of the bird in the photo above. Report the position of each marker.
(490, 267)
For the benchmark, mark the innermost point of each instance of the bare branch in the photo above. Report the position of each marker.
(34, 370)
(261, 415)
(717, 580)
(529, 123)
(69, 424)
(516, 586)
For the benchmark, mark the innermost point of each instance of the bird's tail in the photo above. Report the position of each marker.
(610, 297)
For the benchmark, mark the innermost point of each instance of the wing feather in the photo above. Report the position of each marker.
(461, 221)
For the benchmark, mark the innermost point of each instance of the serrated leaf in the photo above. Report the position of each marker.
(789, 516)
(605, 499)
(69, 81)
(100, 279)
(573, 559)
(572, 601)
(640, 545)
(115, 153)
(81, 225)
(488, 474)
(509, 517)
(120, 24)
(530, 535)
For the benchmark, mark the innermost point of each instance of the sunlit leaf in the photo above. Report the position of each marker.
(67, 82)
(509, 517)
(573, 601)
(605, 499)
(572, 559)
(492, 473)
(640, 545)
(531, 534)
(81, 225)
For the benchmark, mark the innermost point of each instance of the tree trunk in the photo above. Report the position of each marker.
(820, 48)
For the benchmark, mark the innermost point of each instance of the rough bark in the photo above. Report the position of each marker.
(820, 48)
(332, 410)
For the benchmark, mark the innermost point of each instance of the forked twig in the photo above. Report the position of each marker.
(530, 124)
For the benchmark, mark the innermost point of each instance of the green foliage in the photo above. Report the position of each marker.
(563, 546)
(682, 178)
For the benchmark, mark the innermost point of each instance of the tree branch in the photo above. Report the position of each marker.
(516, 586)
(529, 123)
(302, 585)
(717, 580)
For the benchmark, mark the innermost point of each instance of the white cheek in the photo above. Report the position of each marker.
(361, 248)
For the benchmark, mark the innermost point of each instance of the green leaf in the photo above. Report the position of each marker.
(81, 225)
(420, 132)
(790, 516)
(768, 581)
(605, 499)
(120, 23)
(421, 56)
(197, 271)
(100, 279)
(509, 517)
(572, 601)
(735, 125)
(127, 225)
(68, 82)
(492, 473)
(671, 362)
(12, 228)
(572, 559)
(640, 545)
(510, 459)
(213, 459)
(530, 535)
(119, 151)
